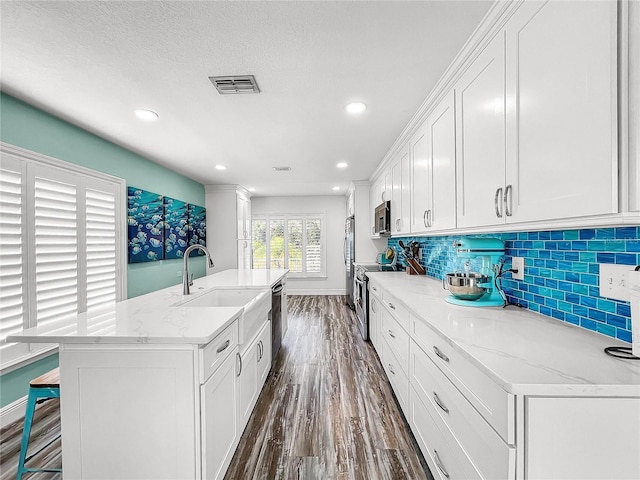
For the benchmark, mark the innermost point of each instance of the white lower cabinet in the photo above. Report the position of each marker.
(219, 419)
(264, 354)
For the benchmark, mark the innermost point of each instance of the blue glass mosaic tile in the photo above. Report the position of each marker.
(561, 273)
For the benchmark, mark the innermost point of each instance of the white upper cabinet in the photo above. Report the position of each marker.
(244, 216)
(561, 123)
(432, 155)
(480, 112)
(400, 193)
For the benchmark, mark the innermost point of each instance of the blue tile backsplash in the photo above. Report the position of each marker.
(561, 272)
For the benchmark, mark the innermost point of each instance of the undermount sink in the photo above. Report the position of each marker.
(224, 298)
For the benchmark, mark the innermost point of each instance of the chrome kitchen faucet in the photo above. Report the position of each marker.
(186, 281)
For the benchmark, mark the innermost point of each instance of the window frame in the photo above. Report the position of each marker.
(30, 162)
(269, 217)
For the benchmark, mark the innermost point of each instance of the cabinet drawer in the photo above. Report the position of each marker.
(374, 289)
(397, 339)
(494, 404)
(214, 353)
(397, 309)
(446, 459)
(490, 454)
(397, 377)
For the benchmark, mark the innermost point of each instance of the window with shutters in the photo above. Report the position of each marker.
(61, 247)
(295, 242)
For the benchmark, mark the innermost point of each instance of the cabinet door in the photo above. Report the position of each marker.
(264, 355)
(441, 126)
(400, 222)
(421, 187)
(376, 197)
(480, 114)
(219, 418)
(562, 138)
(374, 308)
(244, 216)
(247, 372)
(245, 254)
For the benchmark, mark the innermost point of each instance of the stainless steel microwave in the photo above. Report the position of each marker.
(382, 219)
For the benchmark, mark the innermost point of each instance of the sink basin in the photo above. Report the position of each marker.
(224, 298)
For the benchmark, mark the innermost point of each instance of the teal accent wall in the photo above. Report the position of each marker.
(28, 127)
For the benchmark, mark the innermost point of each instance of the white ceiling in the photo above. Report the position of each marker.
(94, 62)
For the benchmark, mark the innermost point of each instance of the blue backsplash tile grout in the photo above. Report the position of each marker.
(561, 272)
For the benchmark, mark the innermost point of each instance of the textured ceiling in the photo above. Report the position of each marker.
(94, 62)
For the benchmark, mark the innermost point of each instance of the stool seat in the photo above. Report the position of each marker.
(41, 389)
(51, 379)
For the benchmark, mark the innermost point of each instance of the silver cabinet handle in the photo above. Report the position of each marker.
(240, 364)
(391, 334)
(374, 288)
(392, 306)
(259, 351)
(508, 200)
(391, 369)
(440, 354)
(439, 464)
(373, 308)
(429, 219)
(223, 347)
(498, 204)
(424, 218)
(439, 403)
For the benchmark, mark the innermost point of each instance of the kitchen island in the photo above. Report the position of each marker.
(160, 386)
(493, 392)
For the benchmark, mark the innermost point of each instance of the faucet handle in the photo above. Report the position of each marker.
(191, 280)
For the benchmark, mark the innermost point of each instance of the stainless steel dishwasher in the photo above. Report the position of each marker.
(277, 298)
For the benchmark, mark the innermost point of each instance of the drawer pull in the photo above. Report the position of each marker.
(439, 464)
(259, 351)
(391, 334)
(439, 403)
(374, 288)
(391, 369)
(392, 306)
(440, 354)
(224, 346)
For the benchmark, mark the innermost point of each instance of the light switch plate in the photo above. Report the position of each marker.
(517, 263)
(613, 281)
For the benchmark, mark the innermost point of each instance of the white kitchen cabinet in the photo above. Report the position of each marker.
(247, 373)
(264, 354)
(376, 197)
(219, 418)
(400, 193)
(374, 319)
(432, 155)
(537, 118)
(229, 226)
(480, 113)
(561, 121)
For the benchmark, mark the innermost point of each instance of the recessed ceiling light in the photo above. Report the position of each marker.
(252, 189)
(220, 167)
(356, 107)
(342, 165)
(336, 188)
(146, 115)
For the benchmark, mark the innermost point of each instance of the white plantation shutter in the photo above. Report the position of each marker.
(302, 237)
(12, 275)
(56, 249)
(101, 248)
(61, 247)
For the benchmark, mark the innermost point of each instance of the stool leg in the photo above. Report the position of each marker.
(26, 432)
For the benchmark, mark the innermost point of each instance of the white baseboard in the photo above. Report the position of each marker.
(12, 412)
(315, 291)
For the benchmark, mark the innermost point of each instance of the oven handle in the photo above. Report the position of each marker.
(358, 281)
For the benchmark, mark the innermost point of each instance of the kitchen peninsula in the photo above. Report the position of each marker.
(161, 386)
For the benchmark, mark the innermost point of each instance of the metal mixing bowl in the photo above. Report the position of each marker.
(466, 286)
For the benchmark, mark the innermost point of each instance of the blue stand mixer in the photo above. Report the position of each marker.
(476, 289)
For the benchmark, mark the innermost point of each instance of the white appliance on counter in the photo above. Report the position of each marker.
(633, 284)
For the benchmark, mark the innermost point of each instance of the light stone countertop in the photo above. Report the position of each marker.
(155, 317)
(522, 351)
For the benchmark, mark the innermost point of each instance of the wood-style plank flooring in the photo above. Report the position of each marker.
(327, 410)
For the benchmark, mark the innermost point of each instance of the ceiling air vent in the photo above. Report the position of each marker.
(282, 169)
(235, 84)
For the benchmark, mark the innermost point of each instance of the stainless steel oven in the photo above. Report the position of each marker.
(361, 297)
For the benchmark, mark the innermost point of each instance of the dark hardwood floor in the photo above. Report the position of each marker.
(326, 411)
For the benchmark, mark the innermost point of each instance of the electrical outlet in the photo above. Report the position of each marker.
(517, 263)
(613, 281)
(420, 253)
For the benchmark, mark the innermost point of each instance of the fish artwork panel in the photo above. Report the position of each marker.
(145, 225)
(176, 228)
(197, 227)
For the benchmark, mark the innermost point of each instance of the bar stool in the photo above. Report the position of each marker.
(41, 389)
